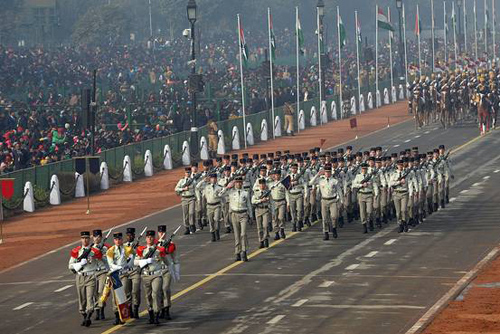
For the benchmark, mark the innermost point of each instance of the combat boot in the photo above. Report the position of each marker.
(370, 226)
(187, 232)
(200, 225)
(167, 313)
(300, 226)
(349, 217)
(238, 257)
(365, 229)
(192, 228)
(334, 233)
(447, 199)
(266, 243)
(228, 229)
(307, 222)
(162, 313)
(88, 322)
(401, 228)
(405, 226)
(117, 321)
(282, 233)
(157, 318)
(262, 244)
(341, 221)
(151, 317)
(294, 228)
(97, 315)
(214, 238)
(327, 236)
(217, 235)
(84, 319)
(103, 317)
(244, 256)
(277, 236)
(379, 224)
(135, 314)
(442, 204)
(435, 207)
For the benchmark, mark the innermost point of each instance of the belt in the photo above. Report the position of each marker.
(329, 198)
(213, 203)
(262, 206)
(87, 273)
(188, 196)
(402, 191)
(240, 211)
(296, 193)
(152, 273)
(278, 200)
(246, 187)
(365, 192)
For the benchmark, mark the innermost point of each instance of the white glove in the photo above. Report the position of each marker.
(83, 262)
(149, 261)
(77, 267)
(143, 263)
(116, 267)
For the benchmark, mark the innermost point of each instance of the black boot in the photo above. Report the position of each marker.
(370, 226)
(238, 257)
(103, 317)
(282, 233)
(88, 322)
(349, 217)
(157, 318)
(341, 221)
(327, 236)
(136, 312)
(244, 256)
(266, 243)
(192, 228)
(447, 199)
(187, 232)
(162, 314)
(214, 238)
(84, 319)
(334, 233)
(117, 319)
(262, 244)
(200, 225)
(405, 224)
(314, 217)
(167, 313)
(294, 228)
(401, 228)
(435, 207)
(442, 204)
(205, 222)
(307, 222)
(217, 235)
(97, 314)
(384, 219)
(379, 224)
(300, 226)
(365, 229)
(277, 236)
(228, 229)
(151, 317)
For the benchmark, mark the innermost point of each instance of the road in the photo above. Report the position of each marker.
(383, 281)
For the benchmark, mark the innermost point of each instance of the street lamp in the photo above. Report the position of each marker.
(399, 6)
(320, 7)
(192, 15)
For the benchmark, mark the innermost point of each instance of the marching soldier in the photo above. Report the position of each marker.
(212, 192)
(446, 166)
(132, 276)
(226, 213)
(367, 190)
(239, 202)
(101, 273)
(262, 213)
(150, 259)
(400, 185)
(168, 266)
(331, 194)
(279, 200)
(120, 257)
(296, 197)
(83, 262)
(186, 189)
(438, 189)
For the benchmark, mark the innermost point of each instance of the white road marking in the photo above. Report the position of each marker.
(464, 191)
(418, 136)
(20, 307)
(276, 319)
(496, 171)
(371, 307)
(300, 302)
(371, 254)
(326, 284)
(476, 184)
(352, 266)
(390, 242)
(407, 140)
(64, 288)
(486, 177)
(397, 145)
(453, 199)
(427, 132)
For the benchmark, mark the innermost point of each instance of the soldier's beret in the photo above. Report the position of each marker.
(131, 230)
(255, 156)
(234, 157)
(307, 159)
(423, 156)
(213, 175)
(162, 228)
(97, 233)
(278, 153)
(234, 164)
(312, 150)
(276, 171)
(328, 168)
(441, 147)
(400, 162)
(286, 151)
(239, 179)
(300, 159)
(187, 169)
(350, 158)
(276, 161)
(340, 150)
(263, 156)
(364, 165)
(394, 155)
(372, 149)
(436, 150)
(270, 155)
(408, 150)
(379, 148)
(269, 162)
(371, 158)
(406, 159)
(194, 164)
(348, 147)
(227, 168)
(335, 160)
(85, 234)
(284, 157)
(297, 155)
(243, 161)
(402, 153)
(315, 158)
(262, 181)
(328, 153)
(359, 154)
(206, 163)
(245, 155)
(262, 167)
(430, 152)
(415, 148)
(218, 159)
(305, 154)
(227, 157)
(366, 153)
(378, 159)
(412, 159)
(334, 153)
(117, 235)
(295, 165)
(249, 160)
(150, 233)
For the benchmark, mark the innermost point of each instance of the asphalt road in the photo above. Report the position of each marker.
(383, 281)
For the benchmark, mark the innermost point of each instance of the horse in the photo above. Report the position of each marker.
(483, 113)
(445, 106)
(418, 109)
(432, 114)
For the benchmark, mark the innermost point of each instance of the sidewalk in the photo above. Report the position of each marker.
(53, 227)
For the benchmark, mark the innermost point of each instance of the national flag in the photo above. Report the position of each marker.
(243, 46)
(273, 39)
(418, 27)
(120, 296)
(486, 17)
(383, 21)
(342, 34)
(358, 32)
(300, 34)
(7, 188)
(453, 19)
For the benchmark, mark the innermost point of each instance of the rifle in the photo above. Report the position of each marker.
(167, 242)
(302, 172)
(86, 253)
(268, 192)
(136, 243)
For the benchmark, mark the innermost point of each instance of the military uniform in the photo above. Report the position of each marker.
(101, 275)
(239, 203)
(131, 278)
(186, 189)
(212, 193)
(400, 185)
(169, 266)
(262, 213)
(278, 205)
(296, 199)
(367, 190)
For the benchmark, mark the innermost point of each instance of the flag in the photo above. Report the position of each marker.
(383, 21)
(358, 32)
(300, 33)
(486, 17)
(341, 32)
(418, 27)
(120, 296)
(453, 19)
(7, 188)
(322, 142)
(273, 40)
(243, 46)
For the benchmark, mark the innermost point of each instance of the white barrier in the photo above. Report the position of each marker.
(263, 130)
(104, 172)
(324, 113)
(250, 140)
(127, 169)
(80, 188)
(302, 120)
(277, 126)
(394, 94)
(203, 148)
(314, 121)
(378, 99)
(333, 108)
(353, 105)
(186, 154)
(221, 146)
(29, 199)
(148, 163)
(167, 160)
(386, 96)
(361, 103)
(370, 100)
(55, 192)
(235, 138)
(401, 92)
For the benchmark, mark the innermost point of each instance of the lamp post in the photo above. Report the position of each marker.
(459, 6)
(399, 6)
(320, 7)
(191, 14)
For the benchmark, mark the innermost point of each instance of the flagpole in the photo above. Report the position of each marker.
(340, 61)
(357, 55)
(475, 31)
(390, 52)
(432, 35)
(404, 42)
(485, 39)
(445, 25)
(465, 28)
(271, 69)
(319, 65)
(419, 50)
(298, 66)
(454, 22)
(242, 83)
(376, 56)
(494, 29)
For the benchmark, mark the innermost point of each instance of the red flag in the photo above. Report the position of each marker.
(321, 142)
(7, 188)
(354, 123)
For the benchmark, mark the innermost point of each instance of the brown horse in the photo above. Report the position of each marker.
(418, 109)
(483, 113)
